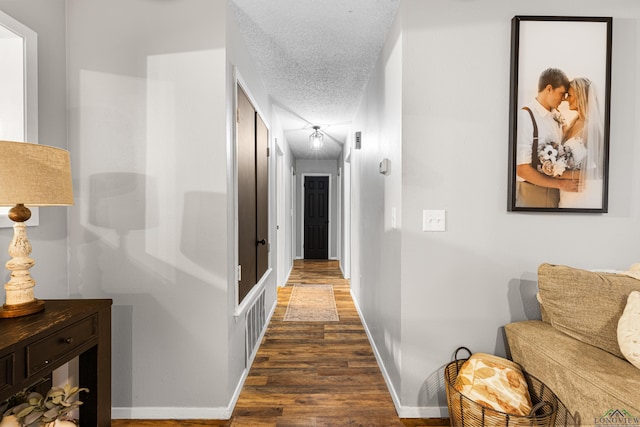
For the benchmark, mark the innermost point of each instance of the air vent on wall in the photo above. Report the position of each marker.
(255, 326)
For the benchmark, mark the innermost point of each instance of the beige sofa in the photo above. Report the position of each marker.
(574, 348)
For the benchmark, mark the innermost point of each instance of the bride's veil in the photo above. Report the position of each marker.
(594, 137)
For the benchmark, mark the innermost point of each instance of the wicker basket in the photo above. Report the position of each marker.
(465, 412)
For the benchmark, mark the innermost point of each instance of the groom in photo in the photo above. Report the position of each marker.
(539, 123)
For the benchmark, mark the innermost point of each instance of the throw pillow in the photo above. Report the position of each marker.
(629, 330)
(494, 382)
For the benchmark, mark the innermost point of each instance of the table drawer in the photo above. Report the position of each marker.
(6, 371)
(58, 345)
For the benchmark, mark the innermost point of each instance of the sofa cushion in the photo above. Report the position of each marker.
(629, 330)
(588, 380)
(585, 304)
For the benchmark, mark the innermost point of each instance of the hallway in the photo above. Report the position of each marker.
(312, 373)
(317, 373)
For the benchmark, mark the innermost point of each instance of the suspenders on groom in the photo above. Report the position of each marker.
(529, 195)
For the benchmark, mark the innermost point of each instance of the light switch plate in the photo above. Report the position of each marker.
(434, 220)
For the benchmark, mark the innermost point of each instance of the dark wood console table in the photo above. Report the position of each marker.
(33, 346)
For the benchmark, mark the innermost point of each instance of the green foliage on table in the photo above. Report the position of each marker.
(36, 409)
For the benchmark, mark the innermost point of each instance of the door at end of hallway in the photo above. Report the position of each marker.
(316, 217)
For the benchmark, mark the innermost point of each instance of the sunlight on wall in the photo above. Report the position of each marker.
(112, 108)
(179, 124)
(146, 192)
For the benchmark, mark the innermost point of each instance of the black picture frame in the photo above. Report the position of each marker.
(581, 48)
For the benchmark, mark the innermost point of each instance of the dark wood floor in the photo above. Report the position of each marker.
(311, 373)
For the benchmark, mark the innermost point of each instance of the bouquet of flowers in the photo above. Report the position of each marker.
(555, 158)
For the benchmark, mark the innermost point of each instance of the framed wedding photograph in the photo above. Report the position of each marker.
(559, 114)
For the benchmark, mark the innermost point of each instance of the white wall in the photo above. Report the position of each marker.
(49, 238)
(345, 211)
(240, 65)
(317, 167)
(461, 286)
(290, 207)
(286, 230)
(376, 255)
(150, 116)
(148, 137)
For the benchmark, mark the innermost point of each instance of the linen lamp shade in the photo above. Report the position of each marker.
(34, 175)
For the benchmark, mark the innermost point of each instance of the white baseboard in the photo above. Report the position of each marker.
(403, 411)
(344, 274)
(423, 412)
(287, 279)
(392, 390)
(166, 413)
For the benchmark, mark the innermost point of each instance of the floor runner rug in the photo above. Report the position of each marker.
(312, 303)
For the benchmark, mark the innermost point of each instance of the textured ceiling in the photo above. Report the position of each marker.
(315, 57)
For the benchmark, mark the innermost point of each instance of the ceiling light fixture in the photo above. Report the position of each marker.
(315, 139)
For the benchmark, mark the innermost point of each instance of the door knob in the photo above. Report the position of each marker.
(262, 242)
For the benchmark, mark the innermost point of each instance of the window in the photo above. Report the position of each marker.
(19, 88)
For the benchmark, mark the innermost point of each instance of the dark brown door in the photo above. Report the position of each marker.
(262, 197)
(247, 230)
(316, 217)
(253, 195)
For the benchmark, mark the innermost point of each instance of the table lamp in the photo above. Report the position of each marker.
(33, 175)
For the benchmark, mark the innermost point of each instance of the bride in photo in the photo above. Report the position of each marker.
(583, 137)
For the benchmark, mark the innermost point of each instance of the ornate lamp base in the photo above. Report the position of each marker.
(17, 310)
(19, 298)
